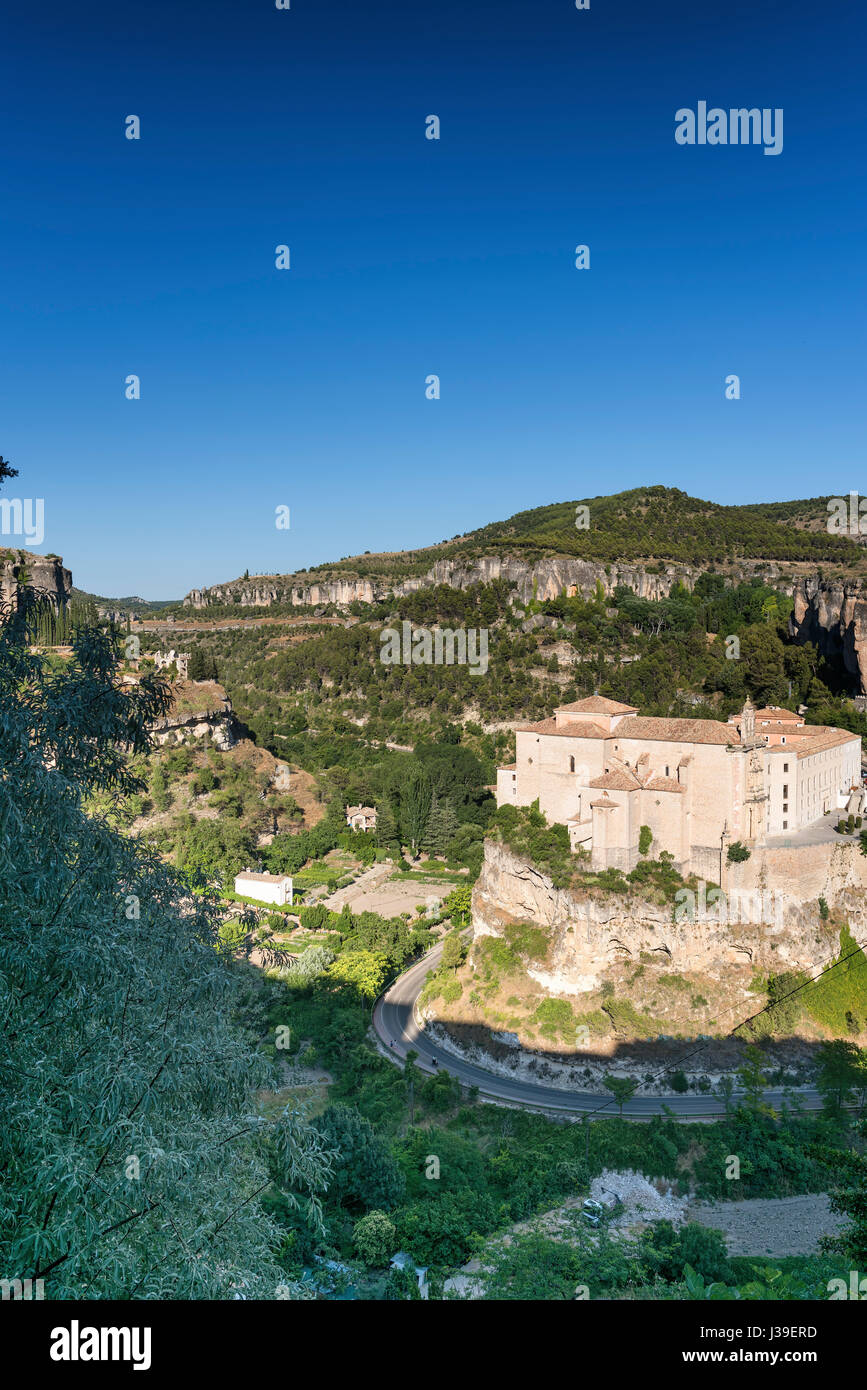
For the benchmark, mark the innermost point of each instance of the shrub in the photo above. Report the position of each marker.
(374, 1237)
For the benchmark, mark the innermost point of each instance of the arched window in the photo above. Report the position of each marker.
(571, 764)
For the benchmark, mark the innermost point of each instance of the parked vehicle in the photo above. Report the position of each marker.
(595, 1212)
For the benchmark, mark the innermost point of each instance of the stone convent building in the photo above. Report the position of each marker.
(604, 770)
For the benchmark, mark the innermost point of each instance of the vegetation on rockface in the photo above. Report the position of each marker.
(836, 1000)
(526, 832)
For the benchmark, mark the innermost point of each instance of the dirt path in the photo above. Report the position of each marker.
(770, 1225)
(376, 891)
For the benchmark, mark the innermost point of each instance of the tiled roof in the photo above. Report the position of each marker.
(665, 784)
(677, 730)
(826, 739)
(261, 878)
(549, 726)
(597, 704)
(617, 781)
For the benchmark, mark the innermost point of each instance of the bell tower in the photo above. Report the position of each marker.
(748, 722)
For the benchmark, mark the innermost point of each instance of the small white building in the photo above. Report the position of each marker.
(265, 888)
(361, 817)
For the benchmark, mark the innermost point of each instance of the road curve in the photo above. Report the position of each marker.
(394, 1019)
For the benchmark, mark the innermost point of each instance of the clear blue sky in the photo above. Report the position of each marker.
(410, 257)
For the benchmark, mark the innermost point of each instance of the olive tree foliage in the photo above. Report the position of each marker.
(132, 1154)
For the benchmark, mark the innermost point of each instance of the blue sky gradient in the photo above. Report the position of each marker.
(409, 257)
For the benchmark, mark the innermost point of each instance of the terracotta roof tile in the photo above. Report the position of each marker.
(549, 726)
(597, 704)
(665, 784)
(677, 730)
(617, 781)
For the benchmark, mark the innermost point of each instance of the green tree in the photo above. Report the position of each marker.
(458, 905)
(752, 1077)
(386, 825)
(622, 1088)
(365, 970)
(849, 1199)
(365, 1173)
(441, 826)
(134, 1160)
(374, 1237)
(454, 952)
(842, 1073)
(159, 789)
(196, 670)
(415, 807)
(762, 655)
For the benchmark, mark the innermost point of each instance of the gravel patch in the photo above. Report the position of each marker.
(770, 1225)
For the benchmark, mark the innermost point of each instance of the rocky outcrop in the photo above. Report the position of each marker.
(262, 593)
(833, 616)
(591, 931)
(201, 709)
(44, 574)
(547, 578)
(542, 579)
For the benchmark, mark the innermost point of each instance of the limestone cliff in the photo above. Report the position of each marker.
(833, 616)
(543, 579)
(44, 574)
(590, 932)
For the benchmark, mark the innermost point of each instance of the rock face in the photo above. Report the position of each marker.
(44, 574)
(547, 578)
(544, 579)
(834, 617)
(589, 933)
(201, 709)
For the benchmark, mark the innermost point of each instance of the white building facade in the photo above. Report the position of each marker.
(265, 888)
(604, 770)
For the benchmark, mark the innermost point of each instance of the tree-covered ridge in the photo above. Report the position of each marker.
(646, 524)
(130, 604)
(660, 523)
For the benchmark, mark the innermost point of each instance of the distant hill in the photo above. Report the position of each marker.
(133, 604)
(660, 523)
(646, 526)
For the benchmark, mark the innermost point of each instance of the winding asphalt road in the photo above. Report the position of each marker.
(394, 1019)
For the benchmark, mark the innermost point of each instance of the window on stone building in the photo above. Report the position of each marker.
(571, 764)
(785, 790)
